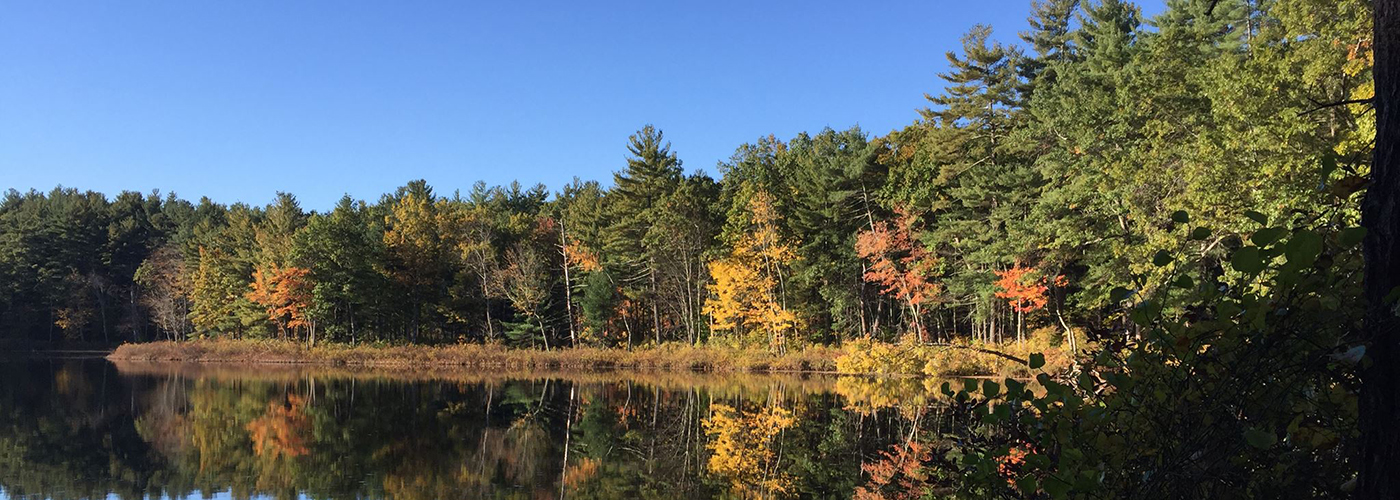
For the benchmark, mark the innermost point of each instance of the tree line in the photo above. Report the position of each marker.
(1036, 187)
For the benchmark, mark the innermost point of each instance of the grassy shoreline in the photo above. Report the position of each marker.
(853, 358)
(670, 357)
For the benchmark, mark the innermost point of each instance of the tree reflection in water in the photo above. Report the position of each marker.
(83, 429)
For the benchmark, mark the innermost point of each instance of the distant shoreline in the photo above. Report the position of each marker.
(668, 357)
(878, 359)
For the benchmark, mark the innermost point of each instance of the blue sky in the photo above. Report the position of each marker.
(238, 100)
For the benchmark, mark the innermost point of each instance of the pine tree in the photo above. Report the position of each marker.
(653, 173)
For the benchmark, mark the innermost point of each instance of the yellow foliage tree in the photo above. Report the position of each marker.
(415, 247)
(741, 449)
(745, 293)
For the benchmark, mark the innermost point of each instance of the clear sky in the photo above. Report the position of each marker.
(239, 99)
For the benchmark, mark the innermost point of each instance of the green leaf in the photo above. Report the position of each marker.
(1145, 312)
(991, 389)
(1027, 485)
(1055, 487)
(1119, 293)
(1162, 258)
(1036, 361)
(1247, 260)
(1014, 388)
(1184, 282)
(1329, 165)
(1181, 217)
(1200, 233)
(1256, 217)
(1351, 236)
(1267, 235)
(1002, 412)
(1303, 248)
(1259, 439)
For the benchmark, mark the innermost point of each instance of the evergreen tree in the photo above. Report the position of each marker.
(653, 172)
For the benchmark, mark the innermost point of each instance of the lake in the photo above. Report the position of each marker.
(89, 428)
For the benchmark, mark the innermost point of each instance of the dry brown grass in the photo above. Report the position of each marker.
(664, 357)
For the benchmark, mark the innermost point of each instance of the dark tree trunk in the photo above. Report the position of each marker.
(1380, 213)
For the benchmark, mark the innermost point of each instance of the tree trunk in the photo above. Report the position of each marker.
(655, 306)
(568, 285)
(1380, 214)
(490, 330)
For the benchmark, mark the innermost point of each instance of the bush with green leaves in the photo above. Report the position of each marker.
(1237, 379)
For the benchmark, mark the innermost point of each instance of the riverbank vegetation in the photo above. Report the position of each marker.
(669, 357)
(853, 358)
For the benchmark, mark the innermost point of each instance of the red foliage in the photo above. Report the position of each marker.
(898, 475)
(1023, 291)
(1009, 465)
(899, 263)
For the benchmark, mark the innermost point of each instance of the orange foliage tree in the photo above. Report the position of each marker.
(1025, 291)
(286, 294)
(899, 264)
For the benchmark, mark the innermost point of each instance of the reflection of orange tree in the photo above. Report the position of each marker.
(897, 475)
(281, 431)
(741, 446)
(581, 472)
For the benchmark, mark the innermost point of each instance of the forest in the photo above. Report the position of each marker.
(1046, 175)
(1196, 209)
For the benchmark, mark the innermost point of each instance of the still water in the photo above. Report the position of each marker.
(73, 429)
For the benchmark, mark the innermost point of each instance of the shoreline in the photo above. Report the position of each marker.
(856, 358)
(667, 357)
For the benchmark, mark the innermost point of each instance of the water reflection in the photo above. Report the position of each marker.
(84, 429)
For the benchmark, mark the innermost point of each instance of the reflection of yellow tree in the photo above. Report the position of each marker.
(281, 431)
(741, 446)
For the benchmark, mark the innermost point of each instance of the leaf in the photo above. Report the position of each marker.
(1162, 258)
(1351, 236)
(1014, 388)
(990, 389)
(1303, 248)
(1259, 439)
(1184, 282)
(1267, 235)
(1256, 217)
(1329, 165)
(1200, 233)
(1119, 293)
(1181, 217)
(1055, 487)
(1027, 485)
(1247, 260)
(1036, 360)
